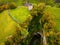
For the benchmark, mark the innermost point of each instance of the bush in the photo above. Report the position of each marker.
(42, 21)
(1, 8)
(11, 5)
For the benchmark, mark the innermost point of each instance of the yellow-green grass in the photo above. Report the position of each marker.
(8, 25)
(56, 13)
(21, 14)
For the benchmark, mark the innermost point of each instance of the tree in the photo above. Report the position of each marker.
(41, 22)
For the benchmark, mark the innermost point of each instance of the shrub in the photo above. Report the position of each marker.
(12, 5)
(1, 8)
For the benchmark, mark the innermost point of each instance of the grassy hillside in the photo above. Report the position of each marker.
(7, 25)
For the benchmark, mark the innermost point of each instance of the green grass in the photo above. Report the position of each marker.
(20, 13)
(56, 14)
(7, 25)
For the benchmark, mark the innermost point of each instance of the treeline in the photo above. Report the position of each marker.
(8, 6)
(22, 2)
(29, 1)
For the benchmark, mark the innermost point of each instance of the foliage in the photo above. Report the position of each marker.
(50, 2)
(11, 5)
(53, 37)
(17, 37)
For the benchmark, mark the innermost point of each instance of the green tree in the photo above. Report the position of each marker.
(41, 22)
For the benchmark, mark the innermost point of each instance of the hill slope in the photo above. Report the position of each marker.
(8, 25)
